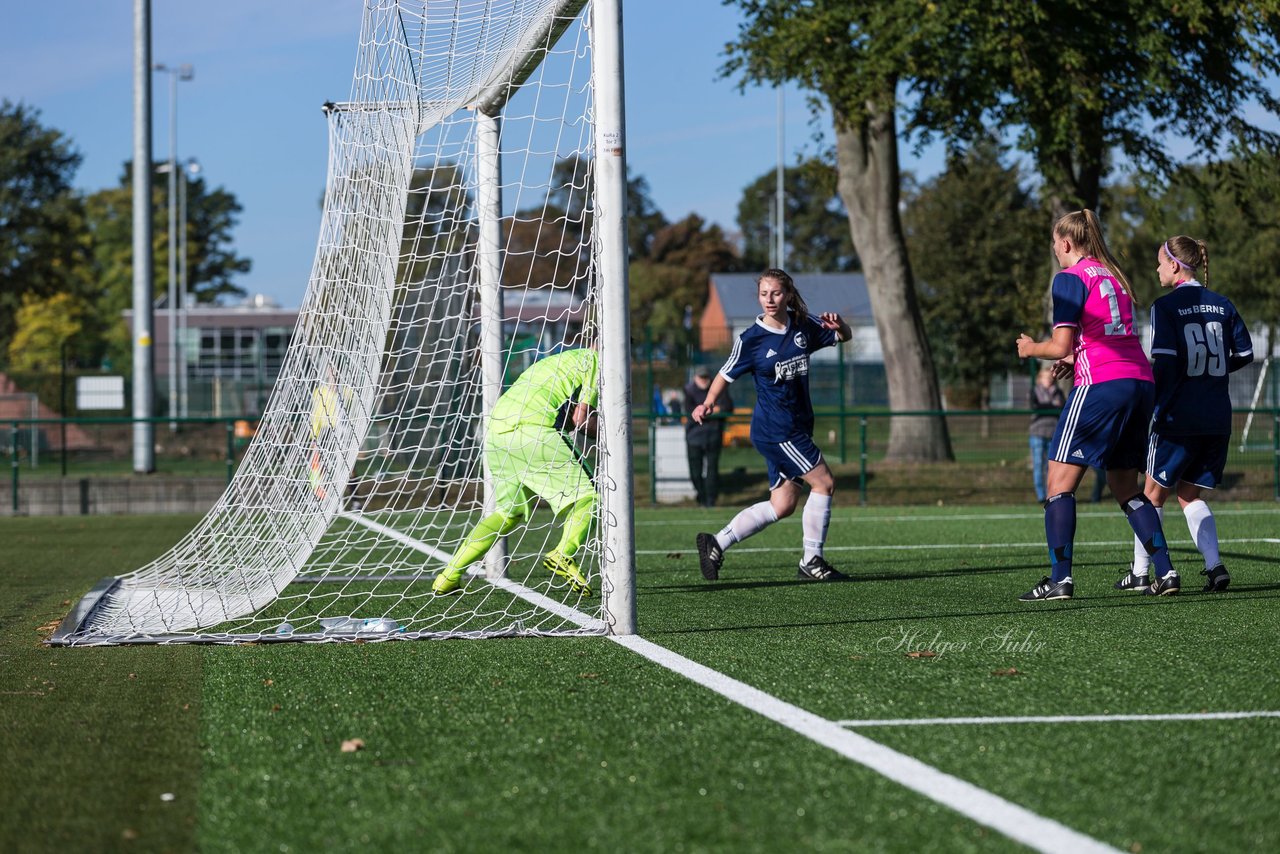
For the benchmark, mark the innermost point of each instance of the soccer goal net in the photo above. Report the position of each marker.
(473, 226)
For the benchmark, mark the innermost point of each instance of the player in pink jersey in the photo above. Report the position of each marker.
(1107, 415)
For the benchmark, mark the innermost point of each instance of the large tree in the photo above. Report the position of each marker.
(976, 234)
(817, 226)
(40, 253)
(547, 244)
(1234, 208)
(669, 285)
(44, 328)
(1076, 80)
(853, 56)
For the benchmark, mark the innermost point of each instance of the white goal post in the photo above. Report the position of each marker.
(474, 224)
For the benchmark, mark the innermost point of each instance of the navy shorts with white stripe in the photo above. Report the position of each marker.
(789, 460)
(1105, 425)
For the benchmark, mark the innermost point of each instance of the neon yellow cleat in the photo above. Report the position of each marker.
(446, 582)
(567, 568)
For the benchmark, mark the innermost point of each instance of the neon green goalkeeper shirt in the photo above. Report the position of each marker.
(537, 395)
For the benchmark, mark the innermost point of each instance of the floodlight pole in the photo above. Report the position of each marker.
(192, 167)
(618, 522)
(181, 72)
(781, 186)
(144, 457)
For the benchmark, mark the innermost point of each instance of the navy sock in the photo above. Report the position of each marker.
(1142, 517)
(1060, 533)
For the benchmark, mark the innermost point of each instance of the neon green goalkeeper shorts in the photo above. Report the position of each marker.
(531, 461)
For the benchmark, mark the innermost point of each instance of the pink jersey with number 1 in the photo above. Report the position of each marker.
(1107, 347)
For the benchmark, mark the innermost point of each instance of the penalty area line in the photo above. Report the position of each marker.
(859, 518)
(1059, 719)
(1018, 823)
(907, 547)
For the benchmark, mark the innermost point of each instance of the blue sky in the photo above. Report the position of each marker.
(252, 114)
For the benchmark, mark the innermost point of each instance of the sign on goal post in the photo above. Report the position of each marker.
(474, 225)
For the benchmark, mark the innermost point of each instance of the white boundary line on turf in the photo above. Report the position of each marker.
(1018, 823)
(963, 517)
(1060, 719)
(933, 546)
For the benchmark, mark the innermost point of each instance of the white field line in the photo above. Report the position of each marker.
(957, 517)
(561, 610)
(959, 546)
(1017, 823)
(392, 533)
(1060, 719)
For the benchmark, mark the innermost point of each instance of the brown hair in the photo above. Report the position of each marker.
(1083, 230)
(1191, 254)
(795, 302)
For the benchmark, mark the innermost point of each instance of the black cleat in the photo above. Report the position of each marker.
(1166, 586)
(817, 569)
(1133, 582)
(1049, 589)
(710, 556)
(1216, 580)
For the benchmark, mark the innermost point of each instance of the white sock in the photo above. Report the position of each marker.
(753, 520)
(1204, 531)
(817, 514)
(1142, 560)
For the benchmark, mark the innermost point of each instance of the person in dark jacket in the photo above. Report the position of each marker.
(1047, 401)
(703, 441)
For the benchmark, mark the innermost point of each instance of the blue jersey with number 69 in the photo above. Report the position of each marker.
(779, 359)
(1197, 338)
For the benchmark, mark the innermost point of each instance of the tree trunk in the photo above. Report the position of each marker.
(869, 181)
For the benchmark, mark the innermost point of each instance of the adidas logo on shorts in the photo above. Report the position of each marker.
(1164, 476)
(1078, 453)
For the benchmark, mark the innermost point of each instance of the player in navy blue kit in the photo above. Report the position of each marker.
(1197, 339)
(775, 349)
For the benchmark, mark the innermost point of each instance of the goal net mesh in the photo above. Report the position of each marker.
(367, 469)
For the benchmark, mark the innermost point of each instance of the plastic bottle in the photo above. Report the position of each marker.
(359, 625)
(284, 629)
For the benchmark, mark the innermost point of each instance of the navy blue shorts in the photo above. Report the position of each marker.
(1198, 460)
(789, 460)
(1105, 425)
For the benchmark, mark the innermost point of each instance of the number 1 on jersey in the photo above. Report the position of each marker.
(1117, 325)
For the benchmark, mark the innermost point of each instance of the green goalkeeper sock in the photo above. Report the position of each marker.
(479, 541)
(577, 524)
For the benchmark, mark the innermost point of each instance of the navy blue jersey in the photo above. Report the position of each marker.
(1197, 338)
(779, 358)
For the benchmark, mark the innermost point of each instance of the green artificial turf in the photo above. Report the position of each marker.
(91, 738)
(558, 744)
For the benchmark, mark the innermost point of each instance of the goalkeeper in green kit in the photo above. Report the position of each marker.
(529, 454)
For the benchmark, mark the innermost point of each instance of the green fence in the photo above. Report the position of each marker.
(84, 465)
(992, 459)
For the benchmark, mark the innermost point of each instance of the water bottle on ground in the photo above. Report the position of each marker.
(359, 625)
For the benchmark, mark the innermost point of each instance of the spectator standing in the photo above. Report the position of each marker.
(704, 441)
